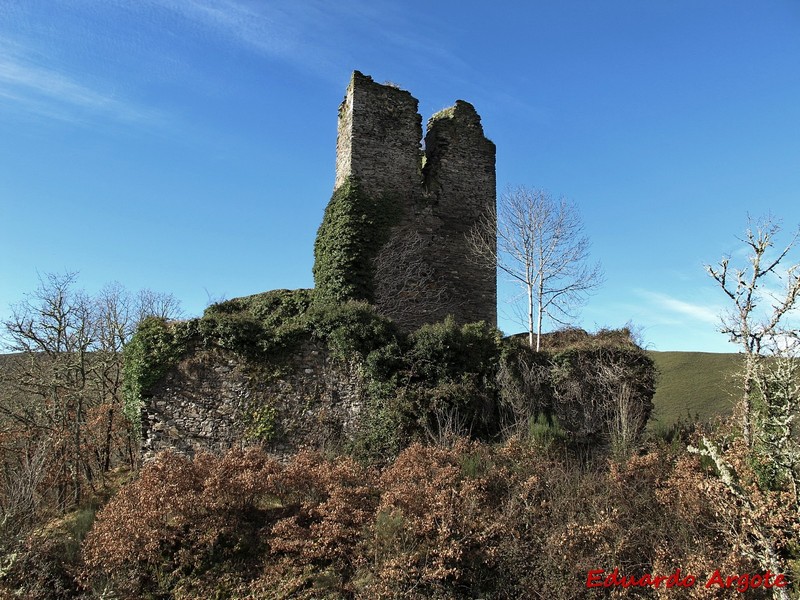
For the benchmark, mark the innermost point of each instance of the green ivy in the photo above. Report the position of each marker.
(156, 346)
(262, 423)
(445, 351)
(353, 230)
(352, 328)
(274, 308)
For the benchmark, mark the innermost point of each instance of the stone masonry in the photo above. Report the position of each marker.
(426, 271)
(214, 400)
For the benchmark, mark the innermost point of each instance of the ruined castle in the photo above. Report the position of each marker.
(424, 269)
(394, 235)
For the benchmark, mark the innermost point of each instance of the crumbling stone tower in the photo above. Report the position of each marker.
(407, 212)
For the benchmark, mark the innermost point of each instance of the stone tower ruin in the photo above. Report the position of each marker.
(422, 268)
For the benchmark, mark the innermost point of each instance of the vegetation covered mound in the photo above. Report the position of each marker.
(575, 338)
(442, 380)
(596, 387)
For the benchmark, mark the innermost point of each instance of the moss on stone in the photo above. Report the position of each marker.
(460, 110)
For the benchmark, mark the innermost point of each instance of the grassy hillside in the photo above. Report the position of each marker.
(693, 385)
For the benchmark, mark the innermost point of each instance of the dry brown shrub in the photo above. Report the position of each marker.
(472, 520)
(434, 532)
(311, 544)
(330, 503)
(181, 517)
(136, 525)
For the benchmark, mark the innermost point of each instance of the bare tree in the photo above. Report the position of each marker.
(148, 303)
(21, 482)
(53, 328)
(540, 245)
(753, 329)
(61, 390)
(405, 281)
(763, 472)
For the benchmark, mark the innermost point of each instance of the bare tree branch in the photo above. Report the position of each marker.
(61, 392)
(743, 323)
(405, 280)
(540, 245)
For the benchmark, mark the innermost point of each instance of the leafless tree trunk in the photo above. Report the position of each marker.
(540, 245)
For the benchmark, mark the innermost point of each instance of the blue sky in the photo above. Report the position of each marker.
(188, 146)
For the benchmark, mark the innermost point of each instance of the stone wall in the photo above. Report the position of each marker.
(214, 399)
(460, 185)
(379, 138)
(426, 271)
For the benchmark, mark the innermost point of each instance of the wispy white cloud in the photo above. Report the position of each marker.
(301, 33)
(45, 91)
(697, 312)
(267, 30)
(316, 35)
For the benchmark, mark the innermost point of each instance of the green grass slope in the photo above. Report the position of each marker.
(693, 385)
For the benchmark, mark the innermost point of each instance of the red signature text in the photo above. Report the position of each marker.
(599, 578)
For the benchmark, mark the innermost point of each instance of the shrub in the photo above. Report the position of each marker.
(544, 432)
(274, 308)
(598, 388)
(213, 526)
(436, 384)
(180, 519)
(468, 521)
(445, 351)
(352, 328)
